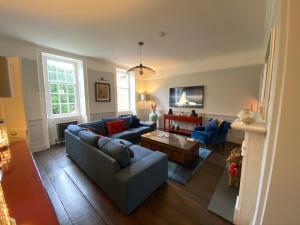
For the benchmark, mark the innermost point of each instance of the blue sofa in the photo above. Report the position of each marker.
(211, 133)
(128, 182)
(133, 132)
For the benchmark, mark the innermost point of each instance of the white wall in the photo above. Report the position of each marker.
(225, 91)
(99, 108)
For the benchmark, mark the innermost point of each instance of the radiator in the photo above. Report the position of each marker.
(60, 127)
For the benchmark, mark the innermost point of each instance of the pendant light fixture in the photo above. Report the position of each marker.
(141, 69)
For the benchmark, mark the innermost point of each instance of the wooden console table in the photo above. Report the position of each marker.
(24, 193)
(168, 118)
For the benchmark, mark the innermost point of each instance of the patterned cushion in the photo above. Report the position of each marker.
(115, 126)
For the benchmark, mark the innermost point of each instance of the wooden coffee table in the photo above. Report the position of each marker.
(176, 146)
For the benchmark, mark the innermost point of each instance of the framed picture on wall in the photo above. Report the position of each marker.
(102, 92)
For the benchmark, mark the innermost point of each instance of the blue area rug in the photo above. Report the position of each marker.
(181, 174)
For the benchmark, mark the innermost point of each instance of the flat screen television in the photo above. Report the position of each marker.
(187, 97)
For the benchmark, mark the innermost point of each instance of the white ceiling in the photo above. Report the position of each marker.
(110, 29)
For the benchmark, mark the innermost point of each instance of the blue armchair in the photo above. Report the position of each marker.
(210, 135)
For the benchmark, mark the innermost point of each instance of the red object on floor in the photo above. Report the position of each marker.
(24, 193)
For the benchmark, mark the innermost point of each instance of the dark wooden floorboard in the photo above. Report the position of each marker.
(77, 200)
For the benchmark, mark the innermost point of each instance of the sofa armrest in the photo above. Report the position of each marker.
(137, 181)
(148, 124)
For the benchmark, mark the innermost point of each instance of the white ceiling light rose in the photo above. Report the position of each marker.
(141, 69)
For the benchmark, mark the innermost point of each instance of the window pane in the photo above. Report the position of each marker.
(71, 98)
(63, 98)
(122, 80)
(71, 108)
(54, 99)
(123, 99)
(61, 77)
(71, 89)
(54, 88)
(55, 109)
(62, 88)
(69, 76)
(64, 108)
(52, 76)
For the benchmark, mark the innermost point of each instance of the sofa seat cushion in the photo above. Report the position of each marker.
(89, 137)
(139, 153)
(75, 129)
(140, 130)
(127, 135)
(117, 151)
(97, 127)
(115, 126)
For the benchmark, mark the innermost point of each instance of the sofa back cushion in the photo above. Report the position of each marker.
(115, 126)
(75, 129)
(89, 137)
(117, 151)
(98, 127)
(211, 125)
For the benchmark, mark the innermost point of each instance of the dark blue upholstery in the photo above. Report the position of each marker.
(130, 134)
(97, 127)
(128, 186)
(141, 130)
(127, 135)
(213, 136)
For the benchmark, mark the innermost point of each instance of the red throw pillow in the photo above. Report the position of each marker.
(115, 126)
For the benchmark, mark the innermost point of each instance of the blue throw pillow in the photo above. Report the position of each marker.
(134, 121)
(211, 125)
(117, 151)
(89, 137)
(75, 129)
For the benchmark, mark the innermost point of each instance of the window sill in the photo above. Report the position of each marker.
(67, 117)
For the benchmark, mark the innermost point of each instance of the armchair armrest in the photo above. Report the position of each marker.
(148, 124)
(137, 181)
(201, 128)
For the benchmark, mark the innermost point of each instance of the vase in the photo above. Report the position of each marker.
(153, 117)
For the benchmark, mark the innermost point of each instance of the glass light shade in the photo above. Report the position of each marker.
(5, 83)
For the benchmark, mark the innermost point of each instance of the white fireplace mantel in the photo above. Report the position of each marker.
(252, 149)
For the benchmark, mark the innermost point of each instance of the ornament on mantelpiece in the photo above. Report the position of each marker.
(246, 116)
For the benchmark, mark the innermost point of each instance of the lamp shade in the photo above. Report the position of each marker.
(5, 84)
